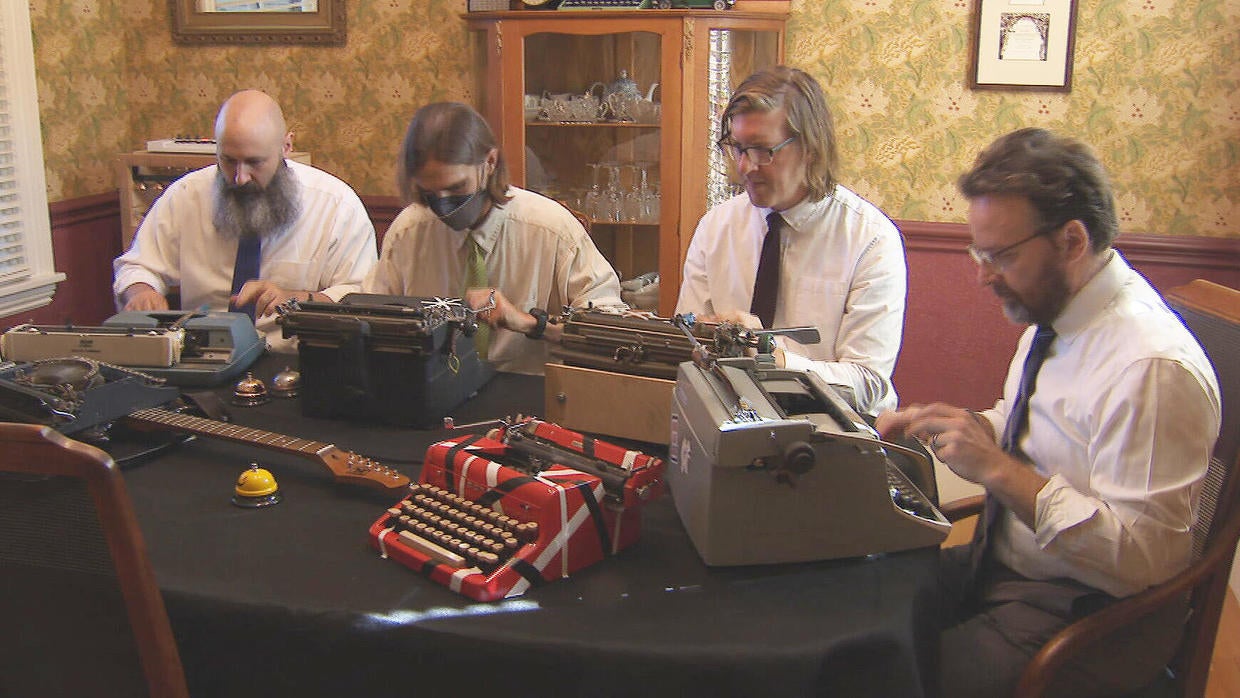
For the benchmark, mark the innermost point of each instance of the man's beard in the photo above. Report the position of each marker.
(247, 210)
(1040, 307)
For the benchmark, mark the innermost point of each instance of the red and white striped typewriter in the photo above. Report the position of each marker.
(533, 502)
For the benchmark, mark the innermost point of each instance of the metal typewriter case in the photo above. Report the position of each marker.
(72, 394)
(770, 465)
(398, 359)
(219, 346)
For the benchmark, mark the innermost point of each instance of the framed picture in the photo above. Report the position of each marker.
(201, 22)
(1022, 45)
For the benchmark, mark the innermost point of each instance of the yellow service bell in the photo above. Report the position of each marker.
(256, 487)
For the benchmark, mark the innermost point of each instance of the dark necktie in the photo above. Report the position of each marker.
(249, 254)
(766, 283)
(1017, 421)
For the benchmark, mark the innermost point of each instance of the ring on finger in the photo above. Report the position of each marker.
(934, 440)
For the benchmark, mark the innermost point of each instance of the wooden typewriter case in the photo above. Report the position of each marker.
(618, 373)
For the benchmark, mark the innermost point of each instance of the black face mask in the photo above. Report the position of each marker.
(457, 212)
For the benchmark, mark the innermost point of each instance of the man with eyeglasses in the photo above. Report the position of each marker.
(1093, 458)
(798, 248)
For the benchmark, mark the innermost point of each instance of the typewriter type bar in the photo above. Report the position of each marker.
(491, 518)
(644, 346)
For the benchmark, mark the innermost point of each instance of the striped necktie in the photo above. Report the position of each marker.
(476, 277)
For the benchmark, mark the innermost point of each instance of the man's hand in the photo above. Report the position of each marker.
(962, 439)
(142, 296)
(747, 320)
(966, 442)
(504, 315)
(265, 296)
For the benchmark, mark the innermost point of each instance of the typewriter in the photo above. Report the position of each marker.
(73, 394)
(185, 349)
(618, 369)
(397, 359)
(492, 516)
(769, 465)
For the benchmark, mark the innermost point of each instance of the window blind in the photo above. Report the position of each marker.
(13, 263)
(27, 274)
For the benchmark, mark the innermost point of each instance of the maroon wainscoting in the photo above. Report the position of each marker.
(957, 343)
(86, 237)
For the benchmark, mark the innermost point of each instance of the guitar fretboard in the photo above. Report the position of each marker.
(231, 432)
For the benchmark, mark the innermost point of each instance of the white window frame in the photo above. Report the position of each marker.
(35, 288)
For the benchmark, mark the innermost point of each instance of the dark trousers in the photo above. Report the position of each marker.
(992, 626)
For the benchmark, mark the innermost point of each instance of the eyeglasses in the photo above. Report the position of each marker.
(758, 155)
(993, 260)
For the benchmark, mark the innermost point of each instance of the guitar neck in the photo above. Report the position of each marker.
(346, 466)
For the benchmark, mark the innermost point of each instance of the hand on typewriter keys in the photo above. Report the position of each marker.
(143, 297)
(265, 296)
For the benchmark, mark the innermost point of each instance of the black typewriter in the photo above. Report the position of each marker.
(401, 360)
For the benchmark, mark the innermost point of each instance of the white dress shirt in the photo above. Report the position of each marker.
(329, 248)
(842, 270)
(1123, 420)
(537, 255)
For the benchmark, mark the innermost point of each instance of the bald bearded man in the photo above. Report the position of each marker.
(316, 240)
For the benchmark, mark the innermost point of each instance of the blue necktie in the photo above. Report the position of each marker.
(766, 282)
(1017, 421)
(249, 255)
(1018, 418)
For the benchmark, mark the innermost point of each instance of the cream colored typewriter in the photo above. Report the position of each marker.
(184, 348)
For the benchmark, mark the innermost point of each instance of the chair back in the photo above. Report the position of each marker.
(77, 594)
(1212, 313)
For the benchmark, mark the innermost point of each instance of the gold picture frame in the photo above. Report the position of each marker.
(192, 27)
(1022, 45)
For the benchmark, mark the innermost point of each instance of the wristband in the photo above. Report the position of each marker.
(540, 323)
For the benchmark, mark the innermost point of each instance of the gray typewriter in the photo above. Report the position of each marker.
(768, 465)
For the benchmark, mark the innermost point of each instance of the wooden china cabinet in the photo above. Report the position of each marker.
(615, 113)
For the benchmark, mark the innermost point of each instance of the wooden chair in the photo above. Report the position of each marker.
(1212, 312)
(82, 612)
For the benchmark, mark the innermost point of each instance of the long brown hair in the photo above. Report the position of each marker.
(454, 134)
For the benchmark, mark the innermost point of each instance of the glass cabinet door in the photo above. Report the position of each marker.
(615, 114)
(593, 113)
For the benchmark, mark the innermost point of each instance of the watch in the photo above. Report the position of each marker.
(540, 323)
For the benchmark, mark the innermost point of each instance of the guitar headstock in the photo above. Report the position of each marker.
(351, 468)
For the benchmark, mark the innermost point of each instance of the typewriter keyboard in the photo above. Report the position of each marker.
(456, 531)
(906, 496)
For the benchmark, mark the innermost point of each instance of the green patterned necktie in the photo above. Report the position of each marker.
(476, 277)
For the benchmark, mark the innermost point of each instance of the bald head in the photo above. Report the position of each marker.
(252, 138)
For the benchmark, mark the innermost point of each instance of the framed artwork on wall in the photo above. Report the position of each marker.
(199, 22)
(1022, 45)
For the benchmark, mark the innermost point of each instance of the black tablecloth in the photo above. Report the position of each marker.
(291, 601)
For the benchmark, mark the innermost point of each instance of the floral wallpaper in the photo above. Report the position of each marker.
(1155, 90)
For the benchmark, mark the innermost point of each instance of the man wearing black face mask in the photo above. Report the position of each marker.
(467, 233)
